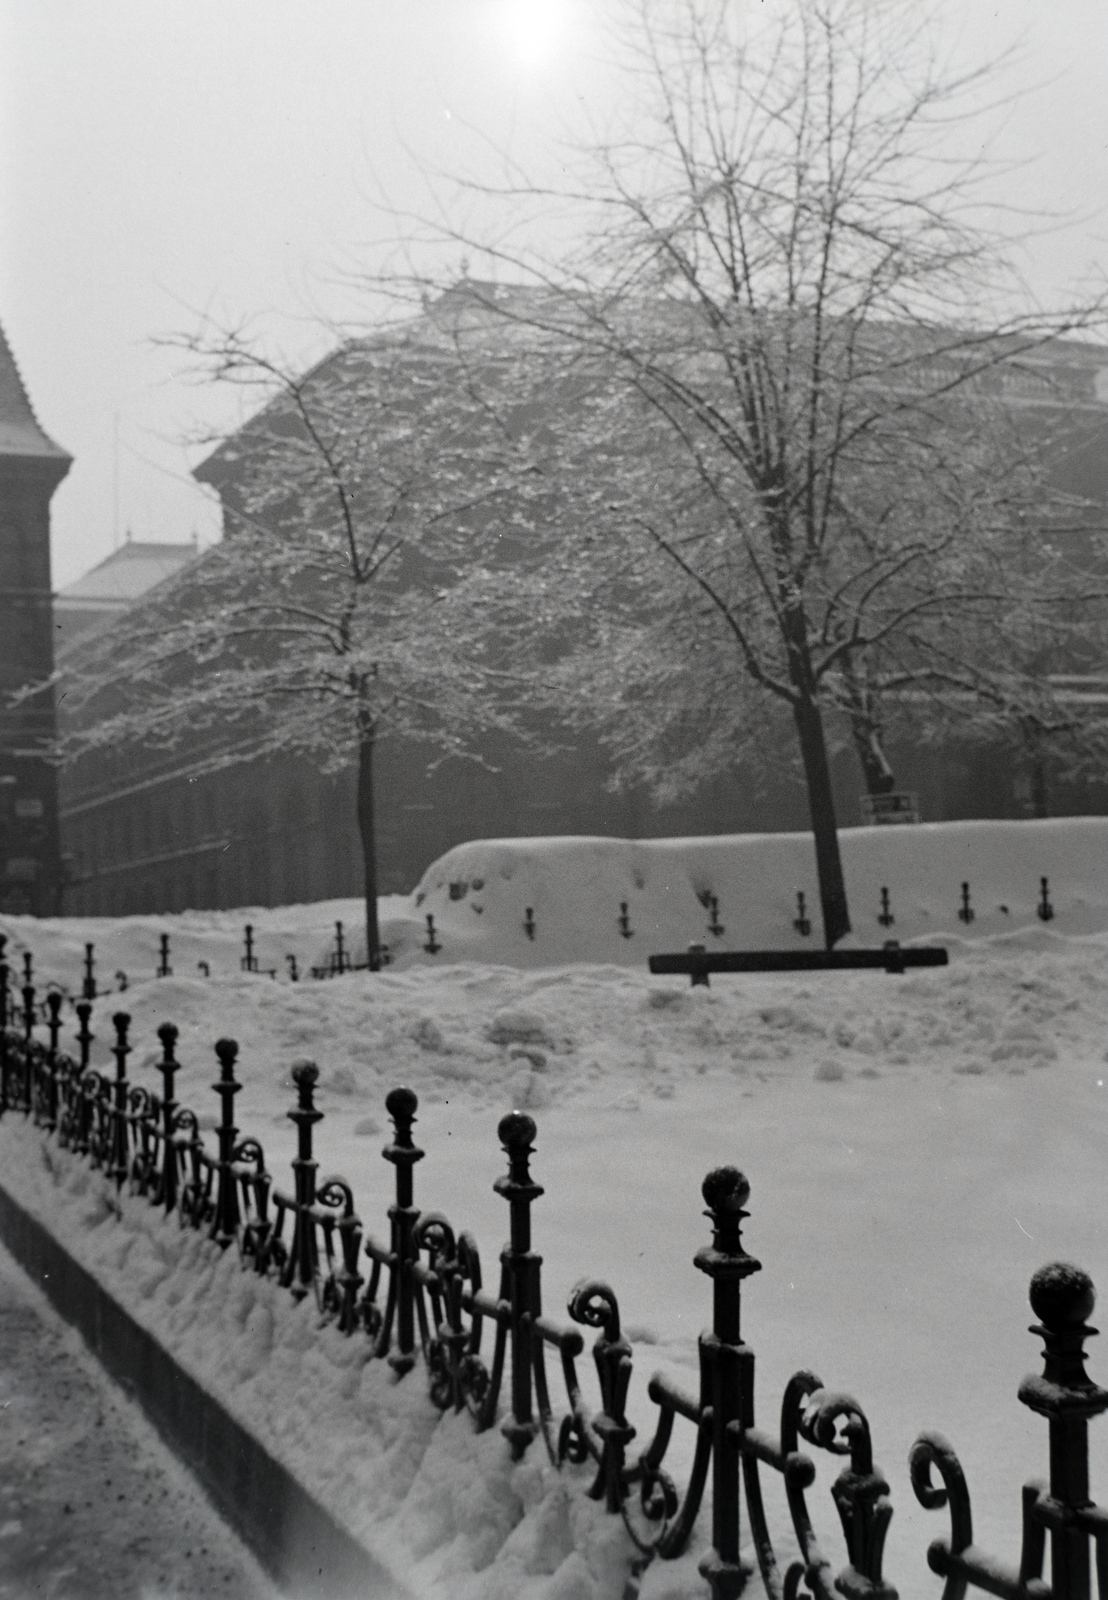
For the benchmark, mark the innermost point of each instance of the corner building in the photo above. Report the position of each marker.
(31, 467)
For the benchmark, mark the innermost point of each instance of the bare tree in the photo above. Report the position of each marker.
(784, 310)
(352, 596)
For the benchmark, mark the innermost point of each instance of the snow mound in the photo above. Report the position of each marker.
(551, 902)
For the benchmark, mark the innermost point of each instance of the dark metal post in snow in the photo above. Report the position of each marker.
(341, 962)
(3, 1026)
(225, 1222)
(249, 961)
(88, 986)
(85, 1035)
(729, 1365)
(698, 969)
(28, 1011)
(304, 1254)
(82, 1100)
(27, 1087)
(168, 1183)
(401, 1105)
(50, 1085)
(117, 1167)
(522, 1267)
(164, 968)
(1062, 1297)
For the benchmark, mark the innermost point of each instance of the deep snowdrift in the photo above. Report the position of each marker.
(576, 890)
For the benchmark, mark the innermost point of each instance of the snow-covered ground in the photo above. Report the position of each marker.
(92, 1504)
(916, 1147)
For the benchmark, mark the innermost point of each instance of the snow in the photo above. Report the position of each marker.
(916, 1147)
(479, 893)
(92, 1503)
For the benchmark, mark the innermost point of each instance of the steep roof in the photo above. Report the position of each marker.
(20, 433)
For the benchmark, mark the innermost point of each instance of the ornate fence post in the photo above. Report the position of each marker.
(168, 1186)
(84, 1035)
(727, 1358)
(88, 985)
(401, 1105)
(303, 1260)
(28, 1037)
(50, 1085)
(82, 1108)
(225, 1221)
(3, 1025)
(522, 1266)
(117, 1167)
(1062, 1297)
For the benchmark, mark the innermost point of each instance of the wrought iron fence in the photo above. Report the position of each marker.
(422, 1303)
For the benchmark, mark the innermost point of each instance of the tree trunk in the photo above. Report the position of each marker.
(821, 805)
(369, 847)
(878, 775)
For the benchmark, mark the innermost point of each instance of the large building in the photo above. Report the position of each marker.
(152, 830)
(31, 467)
(101, 596)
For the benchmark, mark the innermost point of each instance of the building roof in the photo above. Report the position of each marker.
(95, 601)
(20, 433)
(126, 575)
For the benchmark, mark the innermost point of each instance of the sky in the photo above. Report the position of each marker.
(162, 160)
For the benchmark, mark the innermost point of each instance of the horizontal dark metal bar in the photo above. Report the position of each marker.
(799, 960)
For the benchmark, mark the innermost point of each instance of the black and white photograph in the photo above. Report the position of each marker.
(553, 799)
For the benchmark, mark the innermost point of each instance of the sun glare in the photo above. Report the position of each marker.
(533, 29)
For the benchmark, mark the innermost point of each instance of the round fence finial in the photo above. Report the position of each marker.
(517, 1132)
(725, 1189)
(303, 1072)
(1062, 1295)
(402, 1104)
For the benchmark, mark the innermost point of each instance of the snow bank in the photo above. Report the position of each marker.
(479, 895)
(575, 890)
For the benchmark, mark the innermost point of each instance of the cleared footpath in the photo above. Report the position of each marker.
(93, 1506)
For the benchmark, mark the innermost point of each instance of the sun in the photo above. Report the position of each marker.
(532, 30)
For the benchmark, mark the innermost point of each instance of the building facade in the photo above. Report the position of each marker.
(31, 467)
(164, 830)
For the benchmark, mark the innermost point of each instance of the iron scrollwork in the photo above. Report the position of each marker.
(1062, 1297)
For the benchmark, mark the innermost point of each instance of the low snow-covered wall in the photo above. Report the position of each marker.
(546, 902)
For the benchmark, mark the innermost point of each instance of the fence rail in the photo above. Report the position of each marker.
(422, 1302)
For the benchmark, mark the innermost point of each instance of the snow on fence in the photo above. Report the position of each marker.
(424, 1305)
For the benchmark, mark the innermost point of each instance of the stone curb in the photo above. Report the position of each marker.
(293, 1536)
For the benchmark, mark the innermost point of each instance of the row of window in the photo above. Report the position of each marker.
(182, 814)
